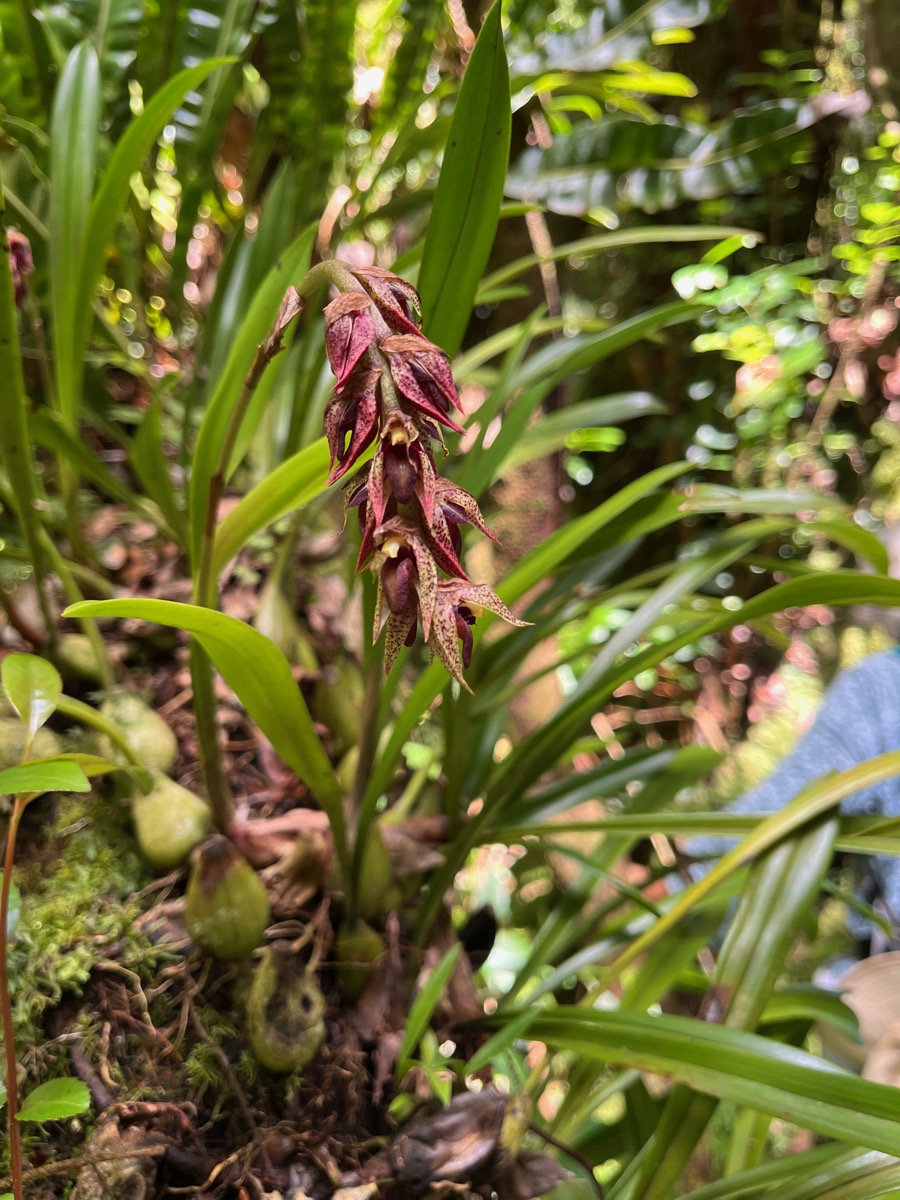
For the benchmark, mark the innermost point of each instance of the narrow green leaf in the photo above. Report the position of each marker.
(95, 764)
(106, 209)
(86, 714)
(423, 1008)
(711, 497)
(554, 430)
(599, 244)
(294, 483)
(467, 202)
(55, 1100)
(48, 431)
(733, 1065)
(812, 802)
(547, 367)
(50, 775)
(253, 330)
(805, 1002)
(513, 1029)
(539, 563)
(550, 742)
(149, 463)
(856, 539)
(858, 1176)
(774, 905)
(782, 1173)
(257, 672)
(75, 131)
(33, 687)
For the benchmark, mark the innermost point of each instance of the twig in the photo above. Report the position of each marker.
(212, 1177)
(66, 1166)
(233, 1083)
(572, 1153)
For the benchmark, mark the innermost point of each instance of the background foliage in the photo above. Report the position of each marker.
(659, 241)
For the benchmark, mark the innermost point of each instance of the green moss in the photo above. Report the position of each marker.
(77, 906)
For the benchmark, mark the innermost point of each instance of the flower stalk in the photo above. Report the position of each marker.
(15, 441)
(215, 776)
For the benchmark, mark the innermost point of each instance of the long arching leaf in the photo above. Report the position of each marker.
(470, 191)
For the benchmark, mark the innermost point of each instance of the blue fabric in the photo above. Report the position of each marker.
(859, 719)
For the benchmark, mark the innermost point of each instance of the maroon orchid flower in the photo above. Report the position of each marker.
(457, 604)
(422, 375)
(349, 332)
(354, 412)
(395, 541)
(22, 264)
(397, 301)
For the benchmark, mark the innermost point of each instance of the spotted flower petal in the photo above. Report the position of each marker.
(422, 374)
(349, 332)
(394, 538)
(459, 507)
(397, 301)
(353, 411)
(455, 610)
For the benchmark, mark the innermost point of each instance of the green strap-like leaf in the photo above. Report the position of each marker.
(75, 132)
(733, 1065)
(423, 1008)
(298, 480)
(257, 672)
(470, 191)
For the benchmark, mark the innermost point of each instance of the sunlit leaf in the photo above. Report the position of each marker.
(55, 1100)
(260, 676)
(466, 206)
(33, 687)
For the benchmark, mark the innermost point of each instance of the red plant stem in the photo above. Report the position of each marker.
(9, 1045)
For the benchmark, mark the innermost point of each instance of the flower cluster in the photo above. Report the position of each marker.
(394, 385)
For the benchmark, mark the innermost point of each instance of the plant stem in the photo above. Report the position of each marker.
(73, 594)
(205, 583)
(15, 443)
(215, 776)
(9, 1046)
(368, 744)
